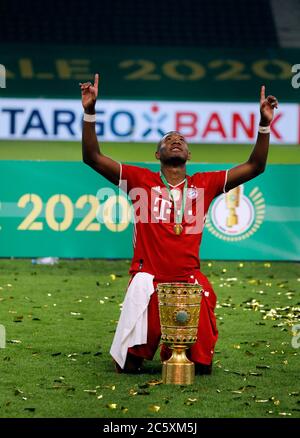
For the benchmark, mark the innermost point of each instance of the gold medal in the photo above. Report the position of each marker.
(178, 228)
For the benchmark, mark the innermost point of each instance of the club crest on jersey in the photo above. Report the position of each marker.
(192, 193)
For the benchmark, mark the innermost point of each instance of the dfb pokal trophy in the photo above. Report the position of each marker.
(179, 307)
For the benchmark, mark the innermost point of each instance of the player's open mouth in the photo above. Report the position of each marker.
(176, 147)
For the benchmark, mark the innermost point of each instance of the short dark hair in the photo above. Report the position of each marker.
(162, 139)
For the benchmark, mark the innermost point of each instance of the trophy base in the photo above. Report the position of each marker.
(178, 370)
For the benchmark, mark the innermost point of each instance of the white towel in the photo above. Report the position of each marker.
(133, 323)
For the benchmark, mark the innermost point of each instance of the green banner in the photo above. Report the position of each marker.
(189, 74)
(52, 209)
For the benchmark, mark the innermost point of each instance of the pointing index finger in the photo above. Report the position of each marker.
(96, 82)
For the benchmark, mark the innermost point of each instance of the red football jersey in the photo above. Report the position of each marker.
(157, 248)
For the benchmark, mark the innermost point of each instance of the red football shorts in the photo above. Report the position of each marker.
(203, 349)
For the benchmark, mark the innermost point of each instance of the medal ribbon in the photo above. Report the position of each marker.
(177, 217)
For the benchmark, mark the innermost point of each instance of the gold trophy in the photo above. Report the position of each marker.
(232, 202)
(179, 307)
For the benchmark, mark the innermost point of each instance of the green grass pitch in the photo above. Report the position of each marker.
(205, 153)
(60, 322)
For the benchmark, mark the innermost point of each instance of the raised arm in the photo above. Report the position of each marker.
(257, 161)
(91, 153)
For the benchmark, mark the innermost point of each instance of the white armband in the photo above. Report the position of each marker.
(89, 117)
(264, 129)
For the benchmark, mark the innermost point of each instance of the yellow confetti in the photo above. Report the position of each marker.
(272, 314)
(90, 391)
(253, 281)
(112, 387)
(154, 408)
(210, 265)
(224, 270)
(285, 413)
(190, 401)
(267, 265)
(276, 402)
(237, 346)
(154, 382)
(112, 406)
(113, 276)
(124, 410)
(100, 396)
(18, 391)
(241, 265)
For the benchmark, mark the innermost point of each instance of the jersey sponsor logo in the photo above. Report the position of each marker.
(235, 215)
(163, 208)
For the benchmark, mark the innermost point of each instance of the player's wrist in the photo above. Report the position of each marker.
(90, 110)
(264, 122)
